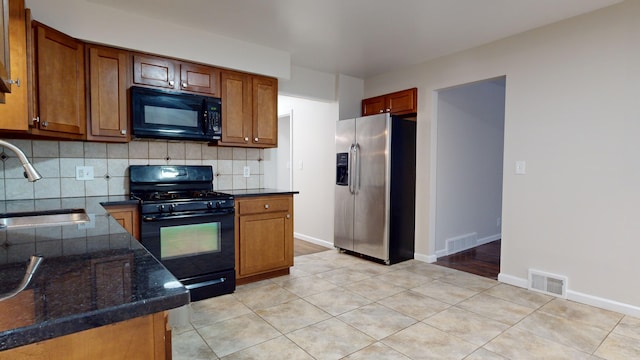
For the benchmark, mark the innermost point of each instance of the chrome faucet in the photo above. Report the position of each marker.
(29, 171)
(34, 262)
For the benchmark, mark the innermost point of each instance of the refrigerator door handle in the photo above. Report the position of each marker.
(356, 151)
(351, 168)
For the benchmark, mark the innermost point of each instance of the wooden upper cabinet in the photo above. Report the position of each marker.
(107, 73)
(13, 112)
(236, 107)
(59, 89)
(374, 105)
(155, 71)
(5, 53)
(199, 78)
(265, 112)
(249, 110)
(397, 103)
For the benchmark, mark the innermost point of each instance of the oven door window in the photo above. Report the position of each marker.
(188, 240)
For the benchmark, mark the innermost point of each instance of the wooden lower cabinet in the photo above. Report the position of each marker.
(127, 216)
(264, 237)
(145, 337)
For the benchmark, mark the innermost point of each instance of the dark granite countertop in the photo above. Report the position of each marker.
(93, 274)
(258, 192)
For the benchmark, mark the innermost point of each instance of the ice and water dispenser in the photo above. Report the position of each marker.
(342, 169)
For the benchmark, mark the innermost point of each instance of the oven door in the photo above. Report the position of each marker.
(191, 244)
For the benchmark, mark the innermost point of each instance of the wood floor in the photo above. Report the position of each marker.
(483, 260)
(301, 247)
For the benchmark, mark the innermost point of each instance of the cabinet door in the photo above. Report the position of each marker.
(266, 243)
(265, 116)
(5, 53)
(127, 217)
(200, 79)
(403, 102)
(236, 107)
(108, 94)
(154, 71)
(60, 88)
(14, 110)
(374, 105)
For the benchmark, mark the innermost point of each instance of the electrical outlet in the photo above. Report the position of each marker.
(84, 172)
(247, 171)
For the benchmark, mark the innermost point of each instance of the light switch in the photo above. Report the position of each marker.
(247, 171)
(84, 172)
(521, 167)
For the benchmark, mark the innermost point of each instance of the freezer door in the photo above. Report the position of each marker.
(372, 186)
(344, 199)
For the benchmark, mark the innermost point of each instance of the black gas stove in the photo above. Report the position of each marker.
(187, 225)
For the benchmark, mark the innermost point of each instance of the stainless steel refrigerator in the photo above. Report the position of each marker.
(375, 187)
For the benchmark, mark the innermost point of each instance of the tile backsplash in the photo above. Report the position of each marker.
(57, 160)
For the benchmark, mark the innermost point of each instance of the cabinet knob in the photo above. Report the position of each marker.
(44, 123)
(184, 84)
(266, 206)
(381, 111)
(255, 139)
(288, 216)
(123, 132)
(388, 110)
(171, 82)
(246, 139)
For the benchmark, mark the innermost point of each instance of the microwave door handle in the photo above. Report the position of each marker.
(205, 122)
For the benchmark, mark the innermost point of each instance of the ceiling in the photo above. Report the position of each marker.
(361, 38)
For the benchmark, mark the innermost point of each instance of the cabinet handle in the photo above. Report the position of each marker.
(381, 111)
(266, 206)
(246, 139)
(16, 82)
(123, 132)
(171, 82)
(184, 84)
(388, 110)
(255, 140)
(288, 216)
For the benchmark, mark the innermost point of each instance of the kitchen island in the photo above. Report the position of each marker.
(98, 293)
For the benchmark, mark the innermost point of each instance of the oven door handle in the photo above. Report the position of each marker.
(182, 216)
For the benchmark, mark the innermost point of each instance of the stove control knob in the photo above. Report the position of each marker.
(210, 205)
(172, 207)
(160, 208)
(218, 205)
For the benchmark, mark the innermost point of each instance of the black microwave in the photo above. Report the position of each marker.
(162, 114)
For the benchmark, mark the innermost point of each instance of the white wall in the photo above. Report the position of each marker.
(102, 24)
(470, 137)
(310, 84)
(350, 95)
(313, 166)
(572, 113)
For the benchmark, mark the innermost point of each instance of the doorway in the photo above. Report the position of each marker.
(278, 173)
(469, 169)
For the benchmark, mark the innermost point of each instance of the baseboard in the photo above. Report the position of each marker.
(313, 240)
(579, 297)
(472, 243)
(425, 258)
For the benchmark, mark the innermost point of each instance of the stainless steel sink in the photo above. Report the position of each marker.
(43, 218)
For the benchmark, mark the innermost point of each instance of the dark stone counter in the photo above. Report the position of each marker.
(258, 192)
(92, 275)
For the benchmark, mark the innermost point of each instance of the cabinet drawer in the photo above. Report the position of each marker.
(263, 205)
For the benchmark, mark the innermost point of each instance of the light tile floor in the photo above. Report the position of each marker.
(335, 306)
